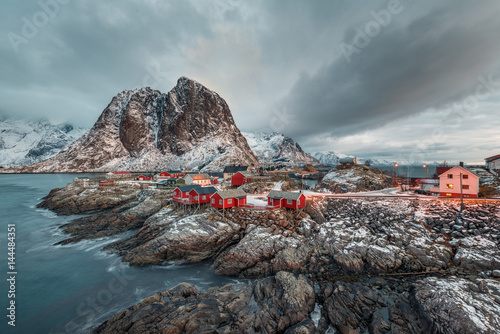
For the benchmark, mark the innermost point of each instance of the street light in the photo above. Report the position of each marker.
(427, 169)
(394, 173)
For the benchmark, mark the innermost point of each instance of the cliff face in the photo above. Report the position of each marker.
(144, 129)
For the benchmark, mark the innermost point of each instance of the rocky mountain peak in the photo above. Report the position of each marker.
(145, 129)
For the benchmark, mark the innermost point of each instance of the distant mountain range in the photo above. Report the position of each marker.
(24, 142)
(277, 148)
(332, 158)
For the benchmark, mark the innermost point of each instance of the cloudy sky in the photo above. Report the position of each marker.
(395, 80)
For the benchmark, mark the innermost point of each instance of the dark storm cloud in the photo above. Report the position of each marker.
(413, 64)
(279, 64)
(90, 51)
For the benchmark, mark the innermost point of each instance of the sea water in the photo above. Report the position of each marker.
(73, 288)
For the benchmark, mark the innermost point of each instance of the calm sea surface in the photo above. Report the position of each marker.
(71, 289)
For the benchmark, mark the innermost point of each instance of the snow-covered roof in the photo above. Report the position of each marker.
(232, 193)
(284, 194)
(246, 174)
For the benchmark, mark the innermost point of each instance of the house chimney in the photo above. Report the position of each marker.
(461, 163)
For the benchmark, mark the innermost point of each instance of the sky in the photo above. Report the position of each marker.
(394, 80)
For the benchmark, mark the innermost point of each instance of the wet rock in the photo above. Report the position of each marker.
(270, 305)
(167, 236)
(456, 305)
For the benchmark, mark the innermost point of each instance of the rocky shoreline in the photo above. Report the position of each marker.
(351, 265)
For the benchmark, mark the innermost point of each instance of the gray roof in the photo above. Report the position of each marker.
(205, 190)
(235, 169)
(188, 188)
(231, 193)
(284, 194)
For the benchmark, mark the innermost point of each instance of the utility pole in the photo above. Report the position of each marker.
(461, 196)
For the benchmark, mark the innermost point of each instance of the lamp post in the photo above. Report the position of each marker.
(427, 170)
(394, 173)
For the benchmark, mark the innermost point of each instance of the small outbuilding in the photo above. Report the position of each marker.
(241, 178)
(145, 177)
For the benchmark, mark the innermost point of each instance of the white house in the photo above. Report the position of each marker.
(493, 163)
(200, 179)
(449, 183)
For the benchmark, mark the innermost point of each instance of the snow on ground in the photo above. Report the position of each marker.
(257, 200)
(278, 185)
(341, 176)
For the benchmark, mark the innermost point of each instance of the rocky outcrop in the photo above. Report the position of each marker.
(355, 178)
(456, 305)
(337, 237)
(270, 305)
(169, 236)
(144, 129)
(380, 265)
(108, 211)
(288, 303)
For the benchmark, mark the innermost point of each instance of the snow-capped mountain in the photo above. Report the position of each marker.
(144, 129)
(331, 157)
(25, 142)
(276, 147)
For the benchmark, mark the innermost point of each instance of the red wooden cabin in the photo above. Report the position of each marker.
(228, 199)
(181, 194)
(201, 195)
(286, 199)
(241, 178)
